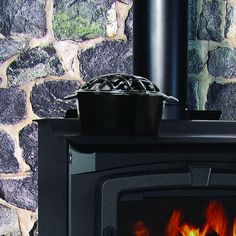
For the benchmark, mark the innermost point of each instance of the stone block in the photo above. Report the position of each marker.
(33, 64)
(129, 25)
(222, 97)
(79, 19)
(47, 99)
(193, 100)
(107, 57)
(192, 19)
(24, 17)
(222, 62)
(210, 24)
(22, 193)
(8, 221)
(195, 65)
(12, 105)
(28, 138)
(8, 161)
(10, 47)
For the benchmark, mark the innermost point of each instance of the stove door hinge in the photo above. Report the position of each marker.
(200, 175)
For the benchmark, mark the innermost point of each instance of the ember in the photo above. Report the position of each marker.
(140, 229)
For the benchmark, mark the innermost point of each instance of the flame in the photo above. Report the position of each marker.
(140, 229)
(216, 223)
(234, 227)
(174, 227)
(189, 230)
(216, 218)
(174, 224)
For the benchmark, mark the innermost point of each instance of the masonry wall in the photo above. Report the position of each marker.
(49, 48)
(212, 56)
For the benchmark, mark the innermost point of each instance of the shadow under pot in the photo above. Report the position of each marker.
(119, 104)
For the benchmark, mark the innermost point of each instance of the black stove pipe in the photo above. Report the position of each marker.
(161, 48)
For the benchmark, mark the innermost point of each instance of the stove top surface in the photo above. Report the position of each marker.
(172, 131)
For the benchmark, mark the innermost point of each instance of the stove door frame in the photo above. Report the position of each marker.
(112, 187)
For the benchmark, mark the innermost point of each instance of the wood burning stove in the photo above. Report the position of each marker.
(182, 183)
(105, 186)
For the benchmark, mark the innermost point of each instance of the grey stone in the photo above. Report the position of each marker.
(222, 97)
(28, 138)
(129, 25)
(126, 1)
(8, 220)
(33, 64)
(23, 16)
(228, 18)
(211, 21)
(107, 57)
(80, 19)
(47, 99)
(192, 19)
(8, 161)
(12, 105)
(22, 193)
(193, 94)
(195, 65)
(10, 47)
(222, 62)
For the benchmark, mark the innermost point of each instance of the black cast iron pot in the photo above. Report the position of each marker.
(119, 104)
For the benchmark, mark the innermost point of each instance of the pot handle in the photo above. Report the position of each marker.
(70, 97)
(171, 100)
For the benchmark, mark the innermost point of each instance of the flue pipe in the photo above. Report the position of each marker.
(161, 46)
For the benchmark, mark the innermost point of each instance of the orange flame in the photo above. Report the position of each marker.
(174, 224)
(140, 229)
(216, 222)
(189, 230)
(234, 227)
(216, 218)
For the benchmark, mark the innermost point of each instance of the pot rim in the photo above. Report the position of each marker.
(164, 97)
(121, 93)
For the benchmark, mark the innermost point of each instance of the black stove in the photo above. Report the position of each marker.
(137, 186)
(182, 183)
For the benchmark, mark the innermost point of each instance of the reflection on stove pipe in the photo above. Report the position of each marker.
(161, 45)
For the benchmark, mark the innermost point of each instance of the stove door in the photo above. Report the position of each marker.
(169, 204)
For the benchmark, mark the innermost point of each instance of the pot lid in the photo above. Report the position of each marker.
(120, 83)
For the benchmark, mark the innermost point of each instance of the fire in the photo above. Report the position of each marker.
(140, 229)
(216, 224)
(216, 218)
(174, 223)
(234, 227)
(189, 230)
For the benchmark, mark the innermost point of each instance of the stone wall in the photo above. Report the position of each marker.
(48, 49)
(212, 56)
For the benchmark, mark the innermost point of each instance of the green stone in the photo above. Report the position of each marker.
(82, 20)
